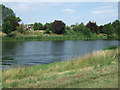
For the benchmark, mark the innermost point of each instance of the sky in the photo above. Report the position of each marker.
(69, 12)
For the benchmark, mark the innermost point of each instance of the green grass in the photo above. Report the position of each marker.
(49, 37)
(37, 35)
(96, 70)
(110, 48)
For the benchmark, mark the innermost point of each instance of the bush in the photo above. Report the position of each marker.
(110, 48)
(87, 33)
(21, 28)
(58, 27)
(47, 31)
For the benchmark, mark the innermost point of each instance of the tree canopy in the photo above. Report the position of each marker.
(9, 20)
(58, 27)
(38, 26)
(92, 26)
(108, 29)
(116, 25)
(47, 26)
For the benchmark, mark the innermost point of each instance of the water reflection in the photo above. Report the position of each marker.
(57, 50)
(44, 52)
(9, 50)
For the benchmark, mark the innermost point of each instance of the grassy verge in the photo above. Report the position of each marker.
(49, 37)
(111, 48)
(37, 35)
(96, 70)
(52, 37)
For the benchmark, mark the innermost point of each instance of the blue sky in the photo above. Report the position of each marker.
(69, 12)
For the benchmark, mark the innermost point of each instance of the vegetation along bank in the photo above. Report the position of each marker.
(56, 30)
(96, 70)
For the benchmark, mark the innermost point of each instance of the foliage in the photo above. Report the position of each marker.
(21, 28)
(9, 20)
(101, 29)
(92, 26)
(47, 26)
(30, 35)
(111, 48)
(79, 27)
(47, 31)
(71, 32)
(116, 25)
(38, 26)
(87, 33)
(67, 28)
(58, 27)
(10, 23)
(118, 31)
(6, 27)
(109, 30)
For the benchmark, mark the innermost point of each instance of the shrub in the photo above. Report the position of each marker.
(58, 27)
(110, 48)
(47, 31)
(21, 28)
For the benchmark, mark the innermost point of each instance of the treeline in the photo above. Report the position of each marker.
(11, 23)
(111, 30)
(9, 20)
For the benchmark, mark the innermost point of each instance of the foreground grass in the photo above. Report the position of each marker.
(96, 70)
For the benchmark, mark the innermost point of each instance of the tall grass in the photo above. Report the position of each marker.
(50, 37)
(111, 48)
(98, 69)
(38, 35)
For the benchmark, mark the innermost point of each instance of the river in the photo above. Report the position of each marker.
(45, 52)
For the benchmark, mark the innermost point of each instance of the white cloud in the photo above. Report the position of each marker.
(104, 7)
(69, 10)
(104, 14)
(102, 11)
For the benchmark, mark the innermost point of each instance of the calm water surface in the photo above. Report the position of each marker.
(44, 52)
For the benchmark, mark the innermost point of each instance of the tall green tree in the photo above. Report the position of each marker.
(9, 20)
(92, 26)
(87, 33)
(117, 29)
(21, 28)
(109, 30)
(79, 27)
(38, 26)
(116, 25)
(58, 27)
(47, 26)
(101, 29)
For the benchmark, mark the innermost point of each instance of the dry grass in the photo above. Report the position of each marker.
(96, 70)
(3, 34)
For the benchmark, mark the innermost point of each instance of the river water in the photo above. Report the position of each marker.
(45, 52)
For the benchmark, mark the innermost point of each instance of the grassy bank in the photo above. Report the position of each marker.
(53, 37)
(49, 37)
(37, 35)
(96, 70)
(41, 36)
